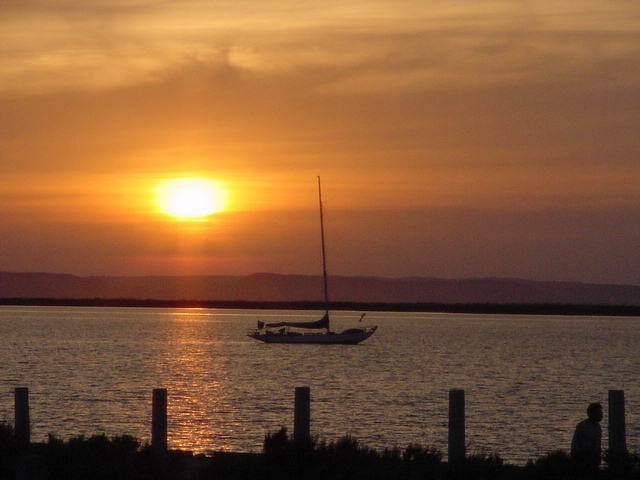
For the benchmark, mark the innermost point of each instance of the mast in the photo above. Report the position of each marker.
(324, 255)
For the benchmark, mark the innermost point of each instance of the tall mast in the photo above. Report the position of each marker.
(324, 256)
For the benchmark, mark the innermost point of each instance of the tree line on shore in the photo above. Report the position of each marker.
(480, 308)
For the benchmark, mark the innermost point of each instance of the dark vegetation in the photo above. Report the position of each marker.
(123, 457)
(97, 457)
(483, 308)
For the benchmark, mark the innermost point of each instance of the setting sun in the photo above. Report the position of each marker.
(190, 198)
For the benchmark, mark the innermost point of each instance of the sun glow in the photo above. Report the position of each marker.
(190, 198)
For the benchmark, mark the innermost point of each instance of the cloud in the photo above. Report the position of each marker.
(378, 48)
(508, 108)
(339, 113)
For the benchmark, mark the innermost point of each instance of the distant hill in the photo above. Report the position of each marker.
(267, 287)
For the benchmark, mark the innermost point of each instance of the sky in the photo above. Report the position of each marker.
(454, 138)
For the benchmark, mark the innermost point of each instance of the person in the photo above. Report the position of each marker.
(586, 446)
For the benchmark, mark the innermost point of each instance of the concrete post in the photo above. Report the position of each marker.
(159, 419)
(302, 415)
(22, 422)
(456, 427)
(617, 430)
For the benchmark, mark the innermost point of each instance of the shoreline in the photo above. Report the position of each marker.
(465, 308)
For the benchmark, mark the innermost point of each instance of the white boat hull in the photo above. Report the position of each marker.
(348, 337)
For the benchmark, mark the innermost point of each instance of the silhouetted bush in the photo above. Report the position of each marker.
(95, 457)
(8, 451)
(123, 457)
(477, 466)
(345, 458)
(620, 465)
(556, 465)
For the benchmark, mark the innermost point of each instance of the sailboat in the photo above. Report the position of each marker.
(318, 331)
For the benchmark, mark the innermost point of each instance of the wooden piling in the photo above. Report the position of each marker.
(302, 415)
(617, 430)
(22, 422)
(159, 420)
(456, 450)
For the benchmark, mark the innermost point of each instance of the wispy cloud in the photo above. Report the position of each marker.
(499, 107)
(387, 45)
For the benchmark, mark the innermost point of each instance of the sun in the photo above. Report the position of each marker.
(190, 198)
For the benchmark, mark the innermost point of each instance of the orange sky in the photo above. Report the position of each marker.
(454, 139)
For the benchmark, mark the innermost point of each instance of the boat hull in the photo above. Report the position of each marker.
(345, 338)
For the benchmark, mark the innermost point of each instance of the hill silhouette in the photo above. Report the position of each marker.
(269, 287)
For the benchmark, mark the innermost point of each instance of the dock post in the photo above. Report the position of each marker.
(159, 420)
(617, 430)
(22, 422)
(456, 450)
(302, 415)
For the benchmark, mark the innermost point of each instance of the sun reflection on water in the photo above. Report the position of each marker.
(197, 373)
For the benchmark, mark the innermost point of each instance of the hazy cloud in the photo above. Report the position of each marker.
(510, 107)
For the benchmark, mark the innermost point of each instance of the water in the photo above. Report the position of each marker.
(527, 379)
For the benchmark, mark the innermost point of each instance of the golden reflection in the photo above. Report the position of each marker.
(197, 374)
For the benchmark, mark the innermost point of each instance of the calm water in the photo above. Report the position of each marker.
(527, 379)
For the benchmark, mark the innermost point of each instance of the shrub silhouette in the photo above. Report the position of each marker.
(123, 457)
(554, 465)
(8, 451)
(345, 458)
